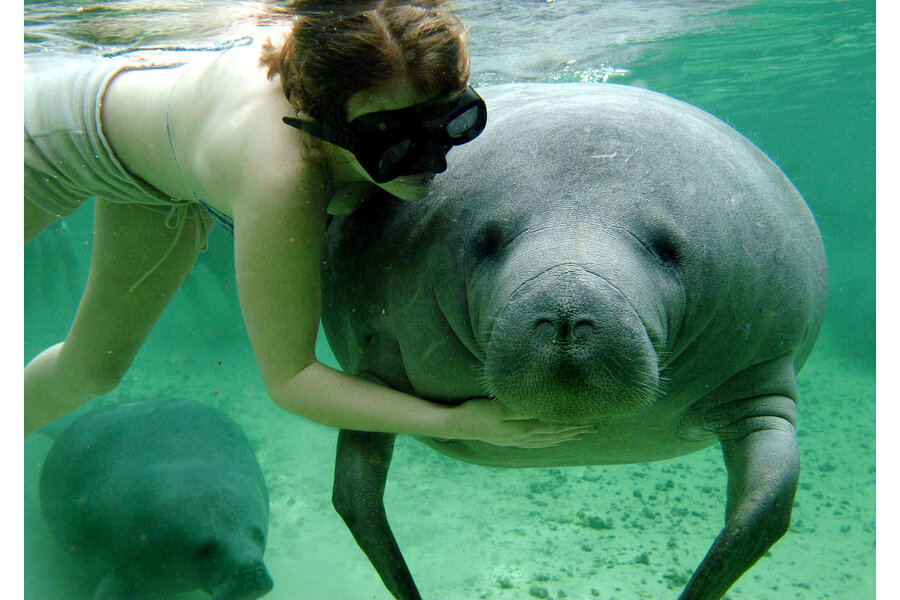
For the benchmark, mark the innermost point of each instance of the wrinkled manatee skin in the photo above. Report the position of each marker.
(165, 495)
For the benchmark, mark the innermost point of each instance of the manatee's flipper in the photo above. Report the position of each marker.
(761, 456)
(360, 471)
(361, 467)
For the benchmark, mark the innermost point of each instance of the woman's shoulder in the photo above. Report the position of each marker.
(231, 112)
(234, 93)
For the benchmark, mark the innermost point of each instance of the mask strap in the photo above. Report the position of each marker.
(326, 134)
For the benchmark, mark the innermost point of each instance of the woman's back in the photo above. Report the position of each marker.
(199, 129)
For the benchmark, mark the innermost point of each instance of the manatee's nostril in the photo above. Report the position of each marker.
(565, 331)
(584, 330)
(545, 329)
(256, 576)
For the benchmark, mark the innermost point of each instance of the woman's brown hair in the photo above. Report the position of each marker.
(336, 49)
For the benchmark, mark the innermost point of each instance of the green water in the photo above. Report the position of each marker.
(798, 79)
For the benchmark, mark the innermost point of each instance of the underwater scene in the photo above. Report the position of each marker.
(795, 77)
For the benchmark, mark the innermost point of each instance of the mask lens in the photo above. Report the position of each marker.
(462, 124)
(393, 155)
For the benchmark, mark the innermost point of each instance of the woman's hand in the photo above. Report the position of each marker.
(488, 421)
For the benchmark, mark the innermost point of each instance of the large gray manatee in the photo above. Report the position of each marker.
(163, 496)
(603, 255)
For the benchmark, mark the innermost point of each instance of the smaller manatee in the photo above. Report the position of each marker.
(165, 496)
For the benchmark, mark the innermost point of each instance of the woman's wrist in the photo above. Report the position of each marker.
(445, 422)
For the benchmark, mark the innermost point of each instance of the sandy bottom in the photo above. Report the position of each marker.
(616, 533)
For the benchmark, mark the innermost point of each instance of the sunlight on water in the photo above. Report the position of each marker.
(601, 74)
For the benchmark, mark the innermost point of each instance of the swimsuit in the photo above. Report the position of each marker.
(68, 159)
(221, 218)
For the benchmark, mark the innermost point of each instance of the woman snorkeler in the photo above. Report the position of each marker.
(268, 139)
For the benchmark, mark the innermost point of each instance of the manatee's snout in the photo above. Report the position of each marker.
(246, 581)
(568, 347)
(256, 581)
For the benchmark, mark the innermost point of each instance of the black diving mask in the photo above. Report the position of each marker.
(406, 141)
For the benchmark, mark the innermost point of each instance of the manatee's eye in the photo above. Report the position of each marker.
(487, 240)
(259, 536)
(665, 249)
(207, 550)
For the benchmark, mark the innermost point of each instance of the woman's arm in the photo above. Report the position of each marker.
(278, 245)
